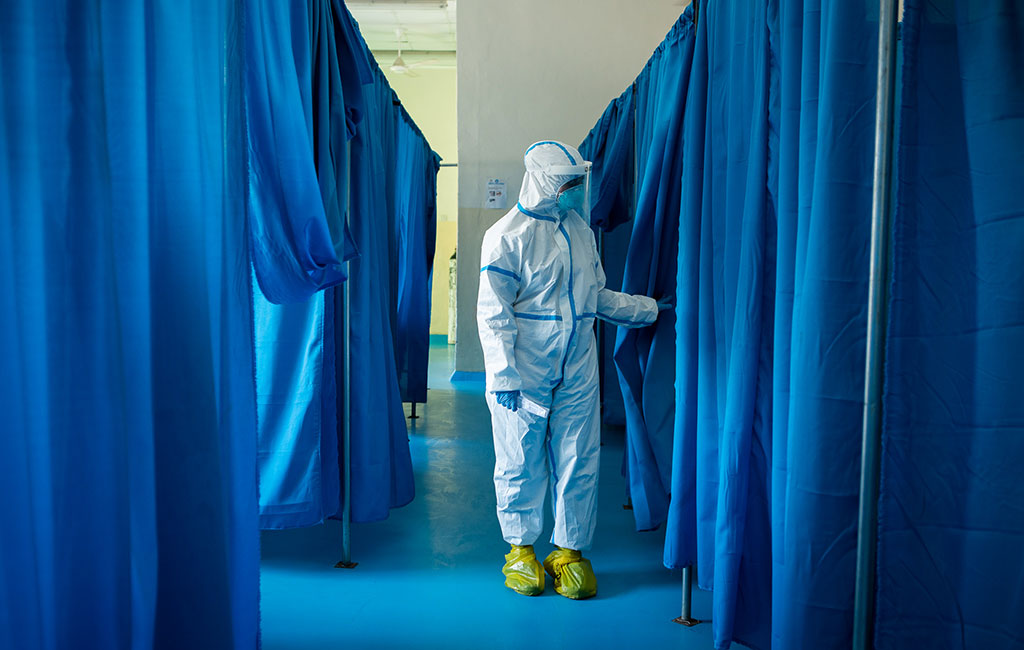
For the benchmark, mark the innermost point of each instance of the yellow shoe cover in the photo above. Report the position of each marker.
(574, 577)
(522, 571)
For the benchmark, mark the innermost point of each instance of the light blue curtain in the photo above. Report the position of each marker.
(127, 458)
(951, 509)
(300, 480)
(300, 119)
(348, 141)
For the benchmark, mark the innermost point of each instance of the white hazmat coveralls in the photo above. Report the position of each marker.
(541, 287)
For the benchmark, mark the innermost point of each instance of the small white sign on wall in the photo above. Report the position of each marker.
(496, 194)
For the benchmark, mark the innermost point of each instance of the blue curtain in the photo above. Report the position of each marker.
(300, 123)
(298, 126)
(645, 358)
(354, 147)
(771, 290)
(296, 395)
(720, 518)
(951, 520)
(381, 465)
(128, 456)
(416, 234)
(609, 145)
(828, 65)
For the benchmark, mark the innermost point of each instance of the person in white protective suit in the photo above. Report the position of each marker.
(541, 289)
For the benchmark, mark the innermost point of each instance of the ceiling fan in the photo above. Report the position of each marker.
(399, 66)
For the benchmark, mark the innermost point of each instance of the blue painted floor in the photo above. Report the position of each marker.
(430, 576)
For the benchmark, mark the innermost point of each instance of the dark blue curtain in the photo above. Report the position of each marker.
(609, 145)
(951, 520)
(381, 465)
(127, 458)
(726, 290)
(644, 358)
(416, 234)
(298, 125)
(776, 184)
(827, 54)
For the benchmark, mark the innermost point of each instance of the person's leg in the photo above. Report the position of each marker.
(520, 472)
(520, 480)
(575, 446)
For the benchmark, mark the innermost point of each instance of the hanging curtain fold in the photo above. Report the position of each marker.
(298, 126)
(381, 465)
(416, 234)
(645, 357)
(772, 294)
(306, 100)
(367, 159)
(951, 506)
(128, 453)
(720, 513)
(290, 50)
(609, 145)
(770, 173)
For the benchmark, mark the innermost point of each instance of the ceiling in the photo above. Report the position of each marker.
(423, 25)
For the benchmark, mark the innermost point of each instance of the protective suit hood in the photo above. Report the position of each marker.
(549, 164)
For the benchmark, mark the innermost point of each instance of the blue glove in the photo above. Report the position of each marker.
(508, 398)
(668, 302)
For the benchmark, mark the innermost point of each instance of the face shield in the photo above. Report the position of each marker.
(573, 194)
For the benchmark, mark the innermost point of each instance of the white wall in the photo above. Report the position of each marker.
(531, 70)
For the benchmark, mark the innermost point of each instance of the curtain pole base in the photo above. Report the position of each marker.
(685, 617)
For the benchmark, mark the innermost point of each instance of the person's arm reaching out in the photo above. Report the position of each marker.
(622, 309)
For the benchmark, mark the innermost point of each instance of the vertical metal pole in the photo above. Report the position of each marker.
(346, 401)
(867, 530)
(685, 617)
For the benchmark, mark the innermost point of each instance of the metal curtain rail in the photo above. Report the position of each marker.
(867, 524)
